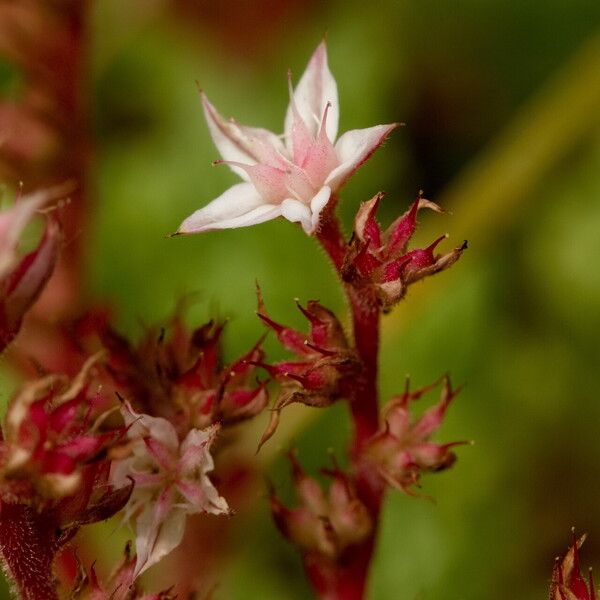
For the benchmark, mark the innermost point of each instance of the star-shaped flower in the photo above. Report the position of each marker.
(170, 481)
(294, 178)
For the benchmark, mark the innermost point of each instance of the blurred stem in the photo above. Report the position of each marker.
(486, 196)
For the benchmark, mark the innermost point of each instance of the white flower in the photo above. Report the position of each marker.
(171, 482)
(294, 179)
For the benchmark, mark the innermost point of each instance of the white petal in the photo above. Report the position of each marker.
(239, 206)
(238, 143)
(317, 204)
(354, 148)
(315, 89)
(297, 212)
(141, 425)
(155, 537)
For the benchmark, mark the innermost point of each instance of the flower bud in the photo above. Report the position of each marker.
(177, 373)
(22, 278)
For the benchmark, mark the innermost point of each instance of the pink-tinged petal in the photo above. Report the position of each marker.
(317, 204)
(321, 157)
(265, 145)
(238, 143)
(298, 138)
(270, 182)
(146, 480)
(315, 89)
(202, 496)
(159, 530)
(162, 455)
(353, 149)
(297, 212)
(195, 454)
(193, 492)
(239, 206)
(299, 185)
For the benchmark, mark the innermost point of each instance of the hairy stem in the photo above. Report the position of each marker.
(349, 578)
(27, 552)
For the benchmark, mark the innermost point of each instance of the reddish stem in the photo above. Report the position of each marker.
(347, 579)
(28, 551)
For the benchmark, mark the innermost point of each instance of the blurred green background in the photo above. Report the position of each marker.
(501, 102)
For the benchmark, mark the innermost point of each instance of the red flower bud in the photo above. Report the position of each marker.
(23, 278)
(567, 582)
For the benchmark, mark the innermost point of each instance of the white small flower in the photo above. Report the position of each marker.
(171, 482)
(294, 179)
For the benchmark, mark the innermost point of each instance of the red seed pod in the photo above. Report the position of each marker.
(402, 449)
(325, 364)
(381, 259)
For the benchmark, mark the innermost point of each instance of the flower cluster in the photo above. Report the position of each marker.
(54, 473)
(53, 434)
(178, 374)
(381, 259)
